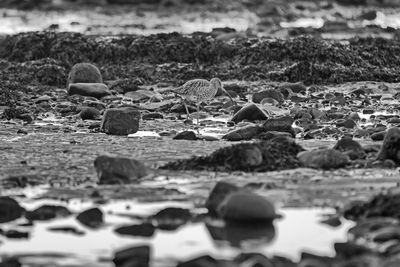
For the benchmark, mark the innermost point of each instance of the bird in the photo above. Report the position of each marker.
(199, 91)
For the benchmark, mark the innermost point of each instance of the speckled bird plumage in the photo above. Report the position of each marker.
(199, 90)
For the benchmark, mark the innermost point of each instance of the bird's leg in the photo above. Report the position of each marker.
(230, 97)
(198, 117)
(186, 108)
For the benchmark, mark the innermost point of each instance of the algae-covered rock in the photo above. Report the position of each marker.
(276, 154)
(84, 73)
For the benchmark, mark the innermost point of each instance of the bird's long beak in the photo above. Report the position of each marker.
(230, 97)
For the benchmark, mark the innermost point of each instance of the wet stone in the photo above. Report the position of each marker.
(244, 133)
(84, 73)
(391, 146)
(323, 159)
(92, 218)
(298, 87)
(134, 256)
(97, 90)
(118, 170)
(273, 134)
(350, 147)
(349, 249)
(152, 116)
(10, 262)
(379, 136)
(250, 112)
(120, 121)
(10, 210)
(47, 212)
(269, 93)
(15, 234)
(280, 124)
(66, 229)
(218, 194)
(185, 135)
(171, 218)
(346, 123)
(89, 113)
(246, 206)
(145, 229)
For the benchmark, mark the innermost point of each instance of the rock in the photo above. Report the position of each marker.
(67, 229)
(218, 194)
(120, 121)
(171, 218)
(298, 87)
(382, 205)
(97, 90)
(346, 123)
(152, 116)
(133, 257)
(202, 261)
(249, 112)
(144, 229)
(273, 134)
(126, 85)
(276, 154)
(10, 210)
(254, 259)
(89, 113)
(391, 146)
(244, 133)
(349, 249)
(369, 15)
(84, 73)
(246, 206)
(269, 93)
(323, 159)
(112, 170)
(280, 124)
(10, 262)
(368, 111)
(350, 147)
(92, 218)
(185, 135)
(15, 234)
(378, 136)
(47, 212)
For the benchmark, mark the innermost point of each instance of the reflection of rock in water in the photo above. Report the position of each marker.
(276, 154)
(237, 233)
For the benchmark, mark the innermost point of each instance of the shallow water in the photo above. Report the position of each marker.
(299, 230)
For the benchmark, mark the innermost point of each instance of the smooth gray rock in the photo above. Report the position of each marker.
(120, 121)
(97, 90)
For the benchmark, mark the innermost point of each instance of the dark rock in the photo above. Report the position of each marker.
(218, 194)
(368, 111)
(379, 136)
(120, 121)
(22, 131)
(298, 87)
(92, 218)
(202, 261)
(369, 15)
(346, 123)
(254, 259)
(84, 73)
(350, 249)
(145, 229)
(391, 146)
(126, 85)
(273, 134)
(15, 234)
(89, 113)
(250, 112)
(97, 90)
(10, 262)
(47, 212)
(133, 257)
(152, 116)
(280, 124)
(246, 206)
(111, 170)
(269, 93)
(10, 210)
(244, 133)
(350, 147)
(66, 229)
(171, 218)
(277, 154)
(185, 135)
(323, 159)
(383, 205)
(333, 221)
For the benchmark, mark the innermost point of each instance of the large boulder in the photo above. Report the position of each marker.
(84, 73)
(391, 146)
(97, 90)
(116, 170)
(120, 121)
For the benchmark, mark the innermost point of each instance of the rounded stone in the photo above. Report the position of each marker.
(84, 73)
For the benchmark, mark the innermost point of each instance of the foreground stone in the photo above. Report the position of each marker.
(47, 212)
(10, 210)
(276, 154)
(134, 256)
(117, 170)
(250, 112)
(323, 159)
(84, 73)
(391, 146)
(246, 206)
(120, 121)
(218, 194)
(92, 218)
(97, 90)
